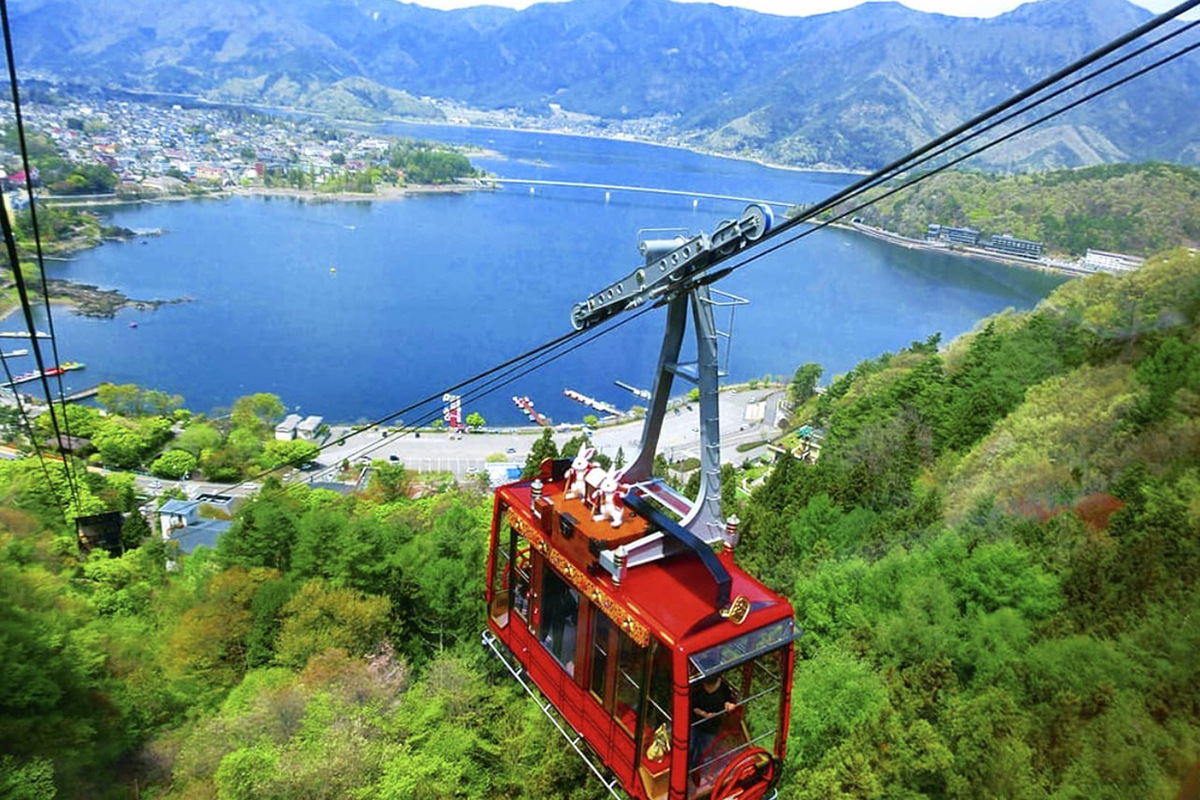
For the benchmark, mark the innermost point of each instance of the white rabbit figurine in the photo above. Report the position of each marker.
(609, 508)
(576, 475)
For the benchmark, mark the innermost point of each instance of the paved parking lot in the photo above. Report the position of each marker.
(746, 416)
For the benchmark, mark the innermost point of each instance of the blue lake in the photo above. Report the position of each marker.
(431, 289)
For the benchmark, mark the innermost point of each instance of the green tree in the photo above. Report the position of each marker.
(573, 445)
(134, 530)
(120, 444)
(173, 464)
(257, 413)
(31, 780)
(475, 420)
(80, 420)
(197, 438)
(208, 644)
(245, 773)
(542, 449)
(389, 482)
(262, 536)
(224, 464)
(320, 617)
(124, 399)
(12, 424)
(295, 452)
(804, 382)
(443, 577)
(49, 671)
(161, 403)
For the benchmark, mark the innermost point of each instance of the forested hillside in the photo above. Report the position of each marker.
(993, 562)
(995, 558)
(1136, 209)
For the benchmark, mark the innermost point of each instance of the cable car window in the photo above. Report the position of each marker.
(560, 618)
(743, 648)
(603, 638)
(520, 552)
(631, 664)
(656, 741)
(658, 710)
(736, 718)
(501, 559)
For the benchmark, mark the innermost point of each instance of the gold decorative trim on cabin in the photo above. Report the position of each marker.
(599, 598)
(525, 529)
(738, 610)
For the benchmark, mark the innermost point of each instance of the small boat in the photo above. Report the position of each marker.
(66, 366)
(333, 270)
(133, 324)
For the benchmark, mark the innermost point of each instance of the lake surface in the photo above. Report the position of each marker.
(432, 289)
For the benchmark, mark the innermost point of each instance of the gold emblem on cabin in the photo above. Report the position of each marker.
(738, 610)
(661, 744)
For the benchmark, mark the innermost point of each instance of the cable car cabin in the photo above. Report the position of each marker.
(680, 691)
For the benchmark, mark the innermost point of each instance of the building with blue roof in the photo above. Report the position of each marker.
(181, 521)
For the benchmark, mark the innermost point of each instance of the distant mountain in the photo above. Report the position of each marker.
(853, 88)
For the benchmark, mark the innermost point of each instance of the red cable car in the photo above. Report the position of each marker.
(619, 599)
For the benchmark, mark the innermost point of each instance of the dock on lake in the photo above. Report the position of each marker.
(599, 405)
(22, 334)
(82, 394)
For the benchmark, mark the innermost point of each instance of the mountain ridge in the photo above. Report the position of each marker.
(852, 88)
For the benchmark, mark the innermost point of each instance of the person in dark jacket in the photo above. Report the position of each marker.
(711, 698)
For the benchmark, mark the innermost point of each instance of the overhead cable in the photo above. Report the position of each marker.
(28, 425)
(505, 379)
(18, 276)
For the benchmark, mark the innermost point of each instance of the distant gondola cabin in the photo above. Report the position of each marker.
(679, 691)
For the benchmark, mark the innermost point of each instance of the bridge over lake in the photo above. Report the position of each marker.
(610, 187)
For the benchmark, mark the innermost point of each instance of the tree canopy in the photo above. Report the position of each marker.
(992, 563)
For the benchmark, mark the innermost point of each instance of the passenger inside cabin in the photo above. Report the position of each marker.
(521, 579)
(711, 698)
(560, 619)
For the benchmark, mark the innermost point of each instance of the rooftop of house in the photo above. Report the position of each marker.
(205, 532)
(182, 507)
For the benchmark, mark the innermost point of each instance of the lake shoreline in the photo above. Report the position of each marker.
(308, 195)
(89, 300)
(759, 160)
(896, 240)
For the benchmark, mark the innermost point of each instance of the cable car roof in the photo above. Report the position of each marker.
(671, 598)
(674, 596)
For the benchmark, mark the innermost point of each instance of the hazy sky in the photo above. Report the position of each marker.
(800, 8)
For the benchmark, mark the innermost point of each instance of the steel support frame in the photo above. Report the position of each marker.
(705, 519)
